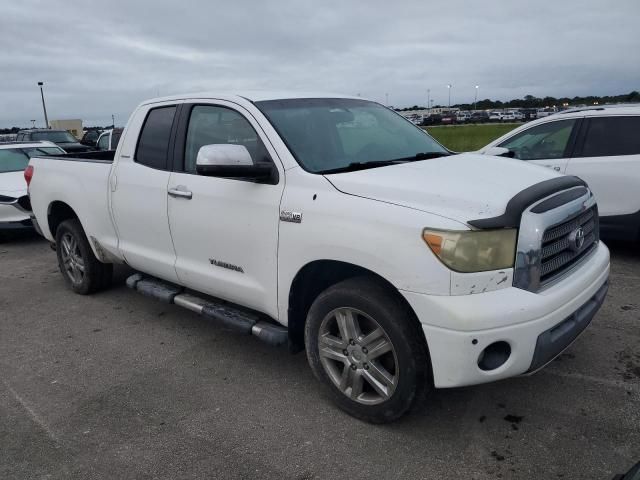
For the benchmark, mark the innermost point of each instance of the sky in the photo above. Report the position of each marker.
(99, 59)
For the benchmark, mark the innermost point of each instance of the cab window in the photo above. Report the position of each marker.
(210, 124)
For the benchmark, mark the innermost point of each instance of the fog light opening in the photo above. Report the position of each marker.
(494, 356)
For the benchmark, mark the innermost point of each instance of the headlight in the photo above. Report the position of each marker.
(473, 250)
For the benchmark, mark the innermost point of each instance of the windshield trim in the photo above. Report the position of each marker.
(324, 101)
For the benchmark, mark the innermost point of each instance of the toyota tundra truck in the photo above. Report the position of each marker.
(333, 225)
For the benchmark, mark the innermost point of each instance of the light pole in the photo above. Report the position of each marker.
(113, 121)
(475, 99)
(449, 88)
(428, 100)
(33, 123)
(44, 108)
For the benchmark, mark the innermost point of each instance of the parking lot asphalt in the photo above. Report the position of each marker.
(117, 385)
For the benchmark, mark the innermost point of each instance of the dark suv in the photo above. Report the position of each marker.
(62, 138)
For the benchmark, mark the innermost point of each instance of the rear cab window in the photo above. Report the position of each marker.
(153, 145)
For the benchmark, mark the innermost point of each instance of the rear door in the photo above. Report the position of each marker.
(225, 230)
(547, 144)
(139, 192)
(607, 157)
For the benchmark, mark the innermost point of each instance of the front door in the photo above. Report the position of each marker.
(225, 231)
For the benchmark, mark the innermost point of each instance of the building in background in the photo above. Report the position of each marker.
(73, 126)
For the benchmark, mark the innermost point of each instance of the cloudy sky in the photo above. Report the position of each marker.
(103, 58)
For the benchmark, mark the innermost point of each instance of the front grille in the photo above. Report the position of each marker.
(559, 250)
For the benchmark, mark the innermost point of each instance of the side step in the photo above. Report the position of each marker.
(232, 318)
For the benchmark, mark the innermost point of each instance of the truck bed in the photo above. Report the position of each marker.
(99, 156)
(79, 181)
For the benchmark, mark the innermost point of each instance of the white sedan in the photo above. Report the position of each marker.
(15, 207)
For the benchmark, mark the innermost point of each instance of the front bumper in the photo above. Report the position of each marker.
(536, 326)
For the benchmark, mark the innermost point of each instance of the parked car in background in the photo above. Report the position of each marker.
(463, 116)
(545, 112)
(448, 118)
(600, 145)
(14, 202)
(529, 113)
(495, 116)
(109, 139)
(286, 208)
(90, 138)
(479, 117)
(518, 116)
(62, 138)
(432, 119)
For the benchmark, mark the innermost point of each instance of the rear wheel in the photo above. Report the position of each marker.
(82, 271)
(364, 344)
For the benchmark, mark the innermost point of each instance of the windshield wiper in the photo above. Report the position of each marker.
(354, 166)
(422, 156)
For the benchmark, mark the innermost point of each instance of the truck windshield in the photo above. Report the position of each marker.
(331, 134)
(55, 137)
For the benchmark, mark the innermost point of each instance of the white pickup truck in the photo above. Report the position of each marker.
(334, 225)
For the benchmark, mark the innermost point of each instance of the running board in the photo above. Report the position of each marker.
(230, 317)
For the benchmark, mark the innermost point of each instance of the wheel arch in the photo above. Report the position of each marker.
(314, 278)
(57, 212)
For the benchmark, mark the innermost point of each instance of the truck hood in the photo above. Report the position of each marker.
(460, 187)
(12, 184)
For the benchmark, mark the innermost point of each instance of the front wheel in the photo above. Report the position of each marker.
(82, 271)
(365, 345)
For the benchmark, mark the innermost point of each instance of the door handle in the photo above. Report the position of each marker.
(180, 192)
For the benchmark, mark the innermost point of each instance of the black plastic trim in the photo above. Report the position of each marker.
(560, 199)
(522, 200)
(555, 340)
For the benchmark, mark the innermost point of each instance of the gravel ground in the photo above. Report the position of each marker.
(117, 385)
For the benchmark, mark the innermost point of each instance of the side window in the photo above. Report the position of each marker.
(209, 124)
(546, 141)
(103, 143)
(153, 145)
(608, 136)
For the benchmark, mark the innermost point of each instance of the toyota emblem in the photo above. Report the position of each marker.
(576, 239)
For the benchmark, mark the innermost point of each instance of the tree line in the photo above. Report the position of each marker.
(529, 101)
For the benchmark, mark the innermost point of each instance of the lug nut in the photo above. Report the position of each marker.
(345, 352)
(366, 366)
(364, 350)
(353, 367)
(352, 342)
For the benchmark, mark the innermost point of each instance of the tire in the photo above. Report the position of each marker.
(389, 350)
(82, 271)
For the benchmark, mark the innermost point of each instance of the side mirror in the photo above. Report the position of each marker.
(233, 161)
(499, 152)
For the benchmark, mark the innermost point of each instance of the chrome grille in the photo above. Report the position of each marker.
(559, 253)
